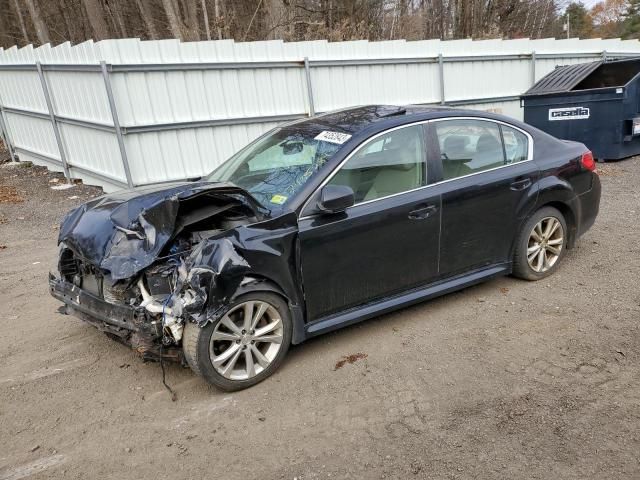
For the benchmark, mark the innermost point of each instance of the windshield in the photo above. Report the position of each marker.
(275, 167)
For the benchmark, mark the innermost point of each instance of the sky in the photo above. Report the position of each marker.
(587, 3)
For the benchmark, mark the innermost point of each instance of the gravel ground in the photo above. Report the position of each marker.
(504, 380)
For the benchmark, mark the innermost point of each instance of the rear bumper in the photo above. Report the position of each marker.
(589, 206)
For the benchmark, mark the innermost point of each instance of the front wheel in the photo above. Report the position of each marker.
(541, 245)
(244, 346)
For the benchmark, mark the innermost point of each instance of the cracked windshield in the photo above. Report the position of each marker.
(275, 167)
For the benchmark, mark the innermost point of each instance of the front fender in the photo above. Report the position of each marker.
(257, 284)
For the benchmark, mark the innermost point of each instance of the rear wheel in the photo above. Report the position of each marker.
(541, 245)
(244, 346)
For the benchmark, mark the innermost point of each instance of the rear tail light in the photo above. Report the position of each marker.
(587, 161)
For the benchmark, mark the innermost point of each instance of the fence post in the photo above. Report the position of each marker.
(116, 122)
(441, 75)
(307, 72)
(4, 133)
(604, 55)
(54, 123)
(533, 67)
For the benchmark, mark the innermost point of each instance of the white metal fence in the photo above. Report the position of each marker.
(122, 113)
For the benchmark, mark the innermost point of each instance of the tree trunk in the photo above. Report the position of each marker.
(116, 19)
(23, 28)
(216, 12)
(172, 18)
(42, 32)
(190, 24)
(205, 16)
(5, 38)
(276, 19)
(147, 18)
(224, 19)
(95, 14)
(70, 25)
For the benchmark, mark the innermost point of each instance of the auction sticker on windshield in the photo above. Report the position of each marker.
(333, 137)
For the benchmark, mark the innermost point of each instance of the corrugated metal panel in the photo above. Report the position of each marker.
(33, 134)
(93, 150)
(486, 79)
(179, 154)
(246, 99)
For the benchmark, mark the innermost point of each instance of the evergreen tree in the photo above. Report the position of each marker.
(580, 20)
(631, 24)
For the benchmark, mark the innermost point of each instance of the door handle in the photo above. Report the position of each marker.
(522, 184)
(422, 212)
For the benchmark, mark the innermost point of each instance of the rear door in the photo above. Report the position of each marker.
(387, 242)
(488, 179)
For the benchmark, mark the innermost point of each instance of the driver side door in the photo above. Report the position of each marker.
(384, 244)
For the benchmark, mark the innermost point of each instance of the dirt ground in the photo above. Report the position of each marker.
(506, 380)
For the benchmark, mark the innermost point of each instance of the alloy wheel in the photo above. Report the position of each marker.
(546, 241)
(246, 340)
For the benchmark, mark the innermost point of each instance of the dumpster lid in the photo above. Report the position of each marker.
(562, 79)
(587, 76)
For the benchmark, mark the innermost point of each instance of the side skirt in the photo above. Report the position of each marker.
(364, 312)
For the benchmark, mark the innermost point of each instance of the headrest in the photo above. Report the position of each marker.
(454, 146)
(487, 143)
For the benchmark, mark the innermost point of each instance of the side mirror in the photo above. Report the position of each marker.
(335, 198)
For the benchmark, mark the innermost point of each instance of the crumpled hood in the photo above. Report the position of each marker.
(124, 232)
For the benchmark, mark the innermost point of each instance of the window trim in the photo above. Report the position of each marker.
(421, 122)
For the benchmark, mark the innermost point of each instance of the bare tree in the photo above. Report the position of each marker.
(216, 7)
(205, 16)
(96, 16)
(4, 33)
(146, 13)
(173, 18)
(191, 23)
(42, 32)
(41, 21)
(182, 18)
(20, 18)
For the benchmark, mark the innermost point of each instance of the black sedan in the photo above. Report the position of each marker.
(319, 224)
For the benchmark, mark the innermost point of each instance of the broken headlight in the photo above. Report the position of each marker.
(65, 264)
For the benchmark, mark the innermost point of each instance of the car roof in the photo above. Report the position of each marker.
(374, 118)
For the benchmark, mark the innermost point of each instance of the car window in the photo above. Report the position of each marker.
(469, 146)
(391, 163)
(275, 167)
(516, 144)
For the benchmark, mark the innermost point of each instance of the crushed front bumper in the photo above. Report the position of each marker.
(127, 324)
(119, 318)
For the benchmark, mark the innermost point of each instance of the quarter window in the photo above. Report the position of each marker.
(516, 144)
(391, 163)
(469, 146)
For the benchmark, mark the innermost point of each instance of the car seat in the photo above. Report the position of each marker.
(488, 154)
(454, 156)
(400, 166)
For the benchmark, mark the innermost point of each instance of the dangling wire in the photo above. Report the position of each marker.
(174, 397)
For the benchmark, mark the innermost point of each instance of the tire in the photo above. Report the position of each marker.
(548, 254)
(232, 360)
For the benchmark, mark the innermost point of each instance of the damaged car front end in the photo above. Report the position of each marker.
(141, 265)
